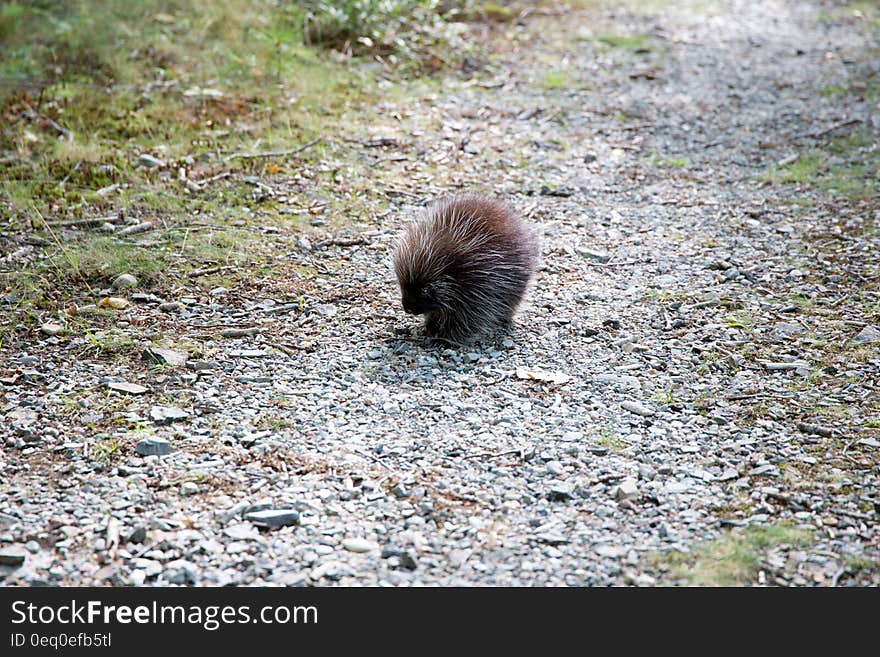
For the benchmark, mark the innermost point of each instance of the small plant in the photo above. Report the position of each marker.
(606, 438)
(664, 397)
(665, 296)
(557, 80)
(802, 301)
(661, 162)
(741, 319)
(272, 423)
(107, 448)
(108, 344)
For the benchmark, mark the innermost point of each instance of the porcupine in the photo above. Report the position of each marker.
(465, 265)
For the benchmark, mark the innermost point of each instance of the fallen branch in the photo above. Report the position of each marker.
(57, 127)
(93, 221)
(137, 228)
(832, 128)
(373, 458)
(292, 151)
(204, 271)
(611, 263)
(496, 454)
(341, 242)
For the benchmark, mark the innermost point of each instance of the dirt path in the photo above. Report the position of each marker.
(714, 320)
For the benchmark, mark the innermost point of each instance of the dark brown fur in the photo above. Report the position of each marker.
(465, 264)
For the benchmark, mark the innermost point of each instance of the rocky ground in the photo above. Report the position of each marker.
(696, 367)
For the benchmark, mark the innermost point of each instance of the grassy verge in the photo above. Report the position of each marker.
(159, 113)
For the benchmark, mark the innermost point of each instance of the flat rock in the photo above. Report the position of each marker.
(274, 517)
(153, 446)
(249, 353)
(609, 551)
(559, 492)
(590, 254)
(128, 388)
(201, 365)
(12, 556)
(728, 475)
(552, 538)
(167, 414)
(784, 367)
(239, 332)
(163, 356)
(767, 470)
(618, 380)
(867, 334)
(785, 330)
(242, 531)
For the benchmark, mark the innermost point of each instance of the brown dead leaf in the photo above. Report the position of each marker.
(117, 303)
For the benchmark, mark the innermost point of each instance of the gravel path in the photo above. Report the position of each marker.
(713, 341)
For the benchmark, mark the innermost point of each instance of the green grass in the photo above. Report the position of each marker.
(90, 86)
(833, 90)
(733, 559)
(624, 41)
(741, 319)
(804, 169)
(86, 87)
(606, 438)
(665, 296)
(107, 448)
(802, 301)
(656, 160)
(108, 344)
(102, 259)
(857, 10)
(555, 79)
(86, 266)
(847, 166)
(664, 397)
(272, 422)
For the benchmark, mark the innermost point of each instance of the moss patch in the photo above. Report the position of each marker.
(733, 559)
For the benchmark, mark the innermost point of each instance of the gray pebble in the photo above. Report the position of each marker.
(637, 408)
(124, 282)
